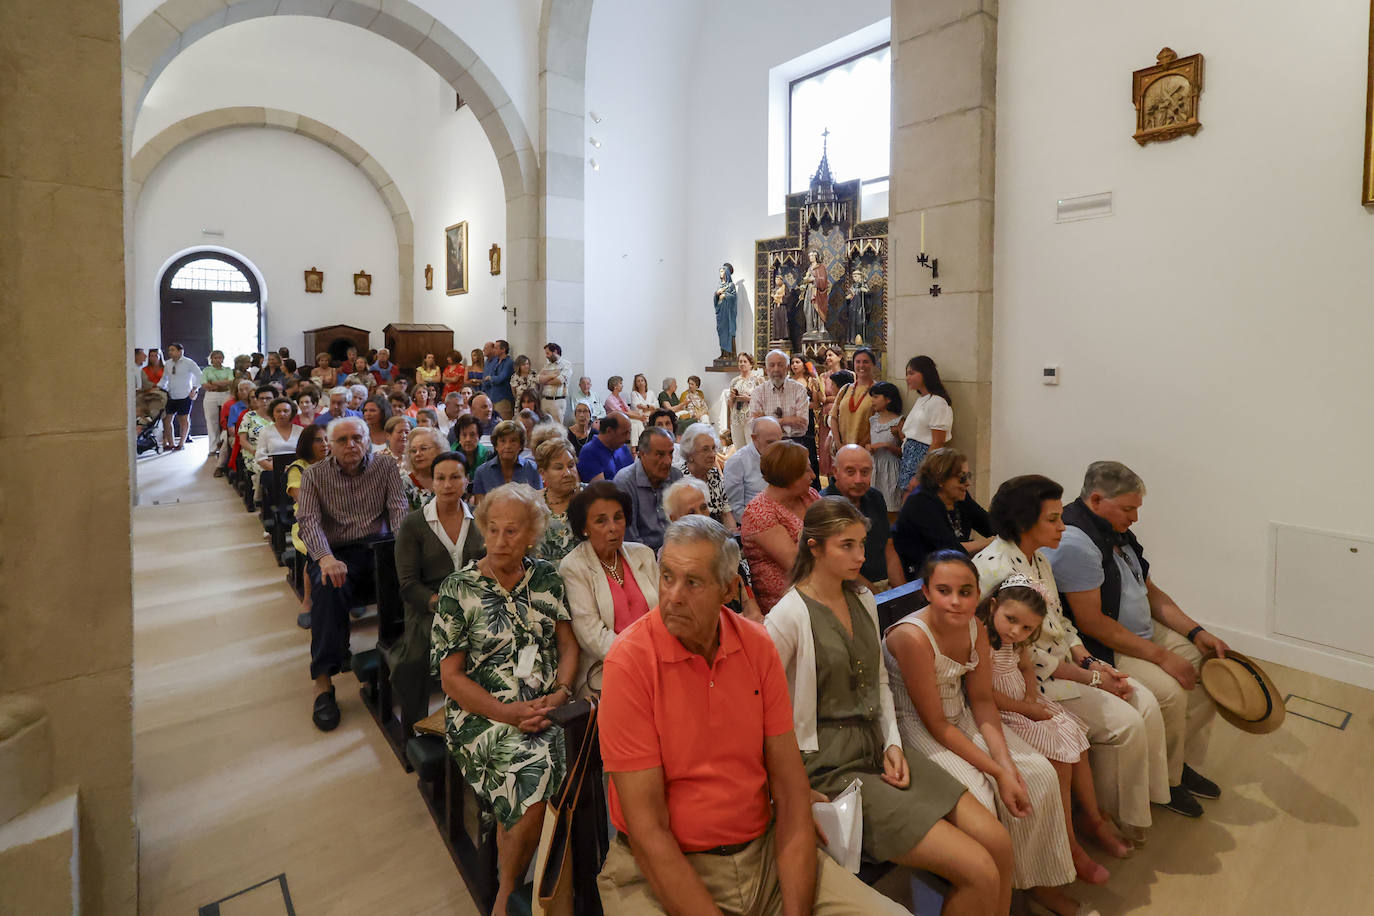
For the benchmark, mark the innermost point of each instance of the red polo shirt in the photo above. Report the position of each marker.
(662, 706)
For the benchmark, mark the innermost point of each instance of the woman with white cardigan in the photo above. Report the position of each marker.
(914, 814)
(609, 583)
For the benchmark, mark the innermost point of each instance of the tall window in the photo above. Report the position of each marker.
(853, 101)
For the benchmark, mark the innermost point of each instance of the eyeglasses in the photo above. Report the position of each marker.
(966, 477)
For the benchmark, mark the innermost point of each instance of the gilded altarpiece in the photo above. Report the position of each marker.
(826, 220)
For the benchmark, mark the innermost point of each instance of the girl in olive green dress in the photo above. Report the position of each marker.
(914, 813)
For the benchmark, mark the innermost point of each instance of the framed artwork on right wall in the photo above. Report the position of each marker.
(456, 259)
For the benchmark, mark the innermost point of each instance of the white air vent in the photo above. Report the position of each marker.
(1091, 206)
(1321, 588)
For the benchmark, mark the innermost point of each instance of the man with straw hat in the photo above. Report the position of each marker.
(1127, 620)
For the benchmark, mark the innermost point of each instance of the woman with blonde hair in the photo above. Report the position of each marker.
(557, 463)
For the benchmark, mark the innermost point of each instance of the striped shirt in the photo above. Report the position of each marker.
(335, 509)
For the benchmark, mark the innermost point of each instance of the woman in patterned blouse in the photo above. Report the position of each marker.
(699, 451)
(557, 463)
(504, 649)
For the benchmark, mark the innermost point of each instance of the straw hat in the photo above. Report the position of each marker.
(1245, 695)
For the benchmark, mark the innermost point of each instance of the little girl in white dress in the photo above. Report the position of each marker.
(883, 429)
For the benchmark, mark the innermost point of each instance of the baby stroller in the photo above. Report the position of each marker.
(149, 406)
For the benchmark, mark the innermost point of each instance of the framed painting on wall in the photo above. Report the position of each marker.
(1367, 192)
(456, 258)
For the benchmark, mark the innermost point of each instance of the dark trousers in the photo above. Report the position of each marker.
(329, 608)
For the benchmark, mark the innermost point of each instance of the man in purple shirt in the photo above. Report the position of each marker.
(345, 501)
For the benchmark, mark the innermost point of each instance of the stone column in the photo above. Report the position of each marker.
(66, 635)
(944, 90)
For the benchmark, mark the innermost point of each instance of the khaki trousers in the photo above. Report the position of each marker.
(1129, 764)
(745, 884)
(1188, 714)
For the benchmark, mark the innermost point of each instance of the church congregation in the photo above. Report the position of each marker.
(1042, 699)
(749, 457)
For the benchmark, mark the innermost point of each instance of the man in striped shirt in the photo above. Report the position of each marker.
(345, 501)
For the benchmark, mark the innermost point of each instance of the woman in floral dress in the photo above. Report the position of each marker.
(557, 463)
(504, 649)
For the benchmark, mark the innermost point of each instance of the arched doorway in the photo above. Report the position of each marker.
(210, 301)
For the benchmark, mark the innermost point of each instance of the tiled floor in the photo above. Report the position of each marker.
(235, 786)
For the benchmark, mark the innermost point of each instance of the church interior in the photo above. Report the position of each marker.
(1089, 218)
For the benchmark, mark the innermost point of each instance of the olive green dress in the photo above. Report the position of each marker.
(849, 734)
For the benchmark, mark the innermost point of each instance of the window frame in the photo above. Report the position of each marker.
(820, 71)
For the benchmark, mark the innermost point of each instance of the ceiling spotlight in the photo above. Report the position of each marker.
(596, 144)
(595, 117)
(596, 166)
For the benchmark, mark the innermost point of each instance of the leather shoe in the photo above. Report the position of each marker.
(1198, 784)
(1182, 802)
(326, 714)
(303, 620)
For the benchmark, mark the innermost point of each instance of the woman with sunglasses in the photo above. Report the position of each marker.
(940, 514)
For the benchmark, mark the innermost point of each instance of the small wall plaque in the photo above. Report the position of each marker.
(314, 281)
(362, 284)
(494, 255)
(1166, 97)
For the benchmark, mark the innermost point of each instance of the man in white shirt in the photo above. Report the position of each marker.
(554, 380)
(453, 408)
(181, 380)
(742, 478)
(140, 360)
(785, 400)
(588, 397)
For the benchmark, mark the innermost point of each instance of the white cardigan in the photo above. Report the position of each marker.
(789, 623)
(590, 604)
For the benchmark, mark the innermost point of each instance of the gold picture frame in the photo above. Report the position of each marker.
(1367, 192)
(456, 259)
(494, 257)
(362, 284)
(314, 281)
(1166, 97)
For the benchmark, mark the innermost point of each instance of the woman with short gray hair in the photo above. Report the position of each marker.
(699, 452)
(503, 647)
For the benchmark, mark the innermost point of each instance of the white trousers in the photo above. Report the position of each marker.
(212, 402)
(1130, 767)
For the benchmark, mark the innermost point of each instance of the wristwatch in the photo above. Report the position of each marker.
(565, 688)
(1192, 634)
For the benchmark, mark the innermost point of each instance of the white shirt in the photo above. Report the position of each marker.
(445, 424)
(270, 442)
(558, 389)
(593, 404)
(930, 412)
(179, 377)
(454, 548)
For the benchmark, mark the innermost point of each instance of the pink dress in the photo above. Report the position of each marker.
(1062, 738)
(762, 513)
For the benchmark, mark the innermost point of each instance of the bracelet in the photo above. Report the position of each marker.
(1096, 679)
(1192, 634)
(1087, 662)
(565, 688)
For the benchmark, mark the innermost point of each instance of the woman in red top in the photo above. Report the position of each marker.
(152, 373)
(773, 519)
(455, 373)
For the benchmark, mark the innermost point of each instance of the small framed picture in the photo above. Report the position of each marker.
(314, 281)
(456, 259)
(362, 284)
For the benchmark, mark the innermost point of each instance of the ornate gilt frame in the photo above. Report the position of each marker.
(1169, 65)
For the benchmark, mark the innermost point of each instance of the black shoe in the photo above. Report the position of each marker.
(303, 620)
(1181, 802)
(1198, 784)
(326, 715)
(357, 613)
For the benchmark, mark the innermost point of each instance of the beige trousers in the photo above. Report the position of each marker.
(745, 884)
(1129, 763)
(1188, 714)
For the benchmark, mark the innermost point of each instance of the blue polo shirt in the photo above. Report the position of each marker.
(489, 476)
(323, 418)
(595, 458)
(1077, 565)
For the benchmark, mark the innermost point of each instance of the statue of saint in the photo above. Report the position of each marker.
(725, 303)
(777, 315)
(859, 294)
(815, 296)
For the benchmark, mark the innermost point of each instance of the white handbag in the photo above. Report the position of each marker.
(842, 822)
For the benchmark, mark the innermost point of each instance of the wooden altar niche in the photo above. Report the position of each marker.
(826, 219)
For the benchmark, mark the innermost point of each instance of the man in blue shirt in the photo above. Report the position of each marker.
(496, 379)
(383, 369)
(606, 453)
(645, 482)
(338, 407)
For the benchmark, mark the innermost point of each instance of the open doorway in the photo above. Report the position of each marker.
(210, 301)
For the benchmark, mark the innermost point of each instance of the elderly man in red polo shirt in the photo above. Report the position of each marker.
(696, 732)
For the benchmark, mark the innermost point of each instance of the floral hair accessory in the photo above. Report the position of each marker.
(1025, 581)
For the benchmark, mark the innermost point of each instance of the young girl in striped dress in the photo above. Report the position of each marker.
(1012, 613)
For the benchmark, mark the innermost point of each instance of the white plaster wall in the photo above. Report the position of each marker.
(503, 33)
(462, 182)
(1213, 333)
(640, 316)
(383, 98)
(285, 203)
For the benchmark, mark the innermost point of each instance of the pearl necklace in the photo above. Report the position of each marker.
(613, 570)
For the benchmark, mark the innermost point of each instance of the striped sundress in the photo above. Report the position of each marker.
(1063, 737)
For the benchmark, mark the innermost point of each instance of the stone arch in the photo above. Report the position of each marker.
(177, 24)
(155, 150)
